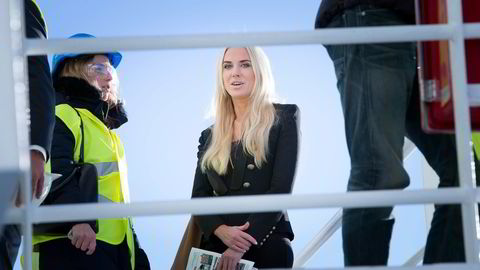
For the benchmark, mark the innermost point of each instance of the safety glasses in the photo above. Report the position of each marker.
(101, 70)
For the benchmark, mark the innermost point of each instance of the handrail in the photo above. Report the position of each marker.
(372, 34)
(242, 204)
(463, 131)
(446, 266)
(416, 258)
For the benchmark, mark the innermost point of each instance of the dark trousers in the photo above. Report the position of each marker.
(60, 254)
(379, 93)
(9, 245)
(276, 252)
(445, 239)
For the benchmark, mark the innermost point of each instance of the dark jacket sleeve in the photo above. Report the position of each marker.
(63, 148)
(284, 166)
(42, 94)
(202, 188)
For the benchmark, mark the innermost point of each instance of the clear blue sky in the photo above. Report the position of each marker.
(168, 94)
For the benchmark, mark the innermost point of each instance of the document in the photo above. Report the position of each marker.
(200, 259)
(47, 184)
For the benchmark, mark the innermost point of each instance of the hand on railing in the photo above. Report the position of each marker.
(235, 238)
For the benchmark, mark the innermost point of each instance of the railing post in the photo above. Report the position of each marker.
(462, 130)
(9, 138)
(14, 142)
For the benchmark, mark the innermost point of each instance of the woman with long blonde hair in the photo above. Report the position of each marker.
(251, 149)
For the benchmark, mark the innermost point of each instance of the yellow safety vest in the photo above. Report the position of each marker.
(103, 148)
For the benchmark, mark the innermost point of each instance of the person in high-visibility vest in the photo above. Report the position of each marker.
(86, 87)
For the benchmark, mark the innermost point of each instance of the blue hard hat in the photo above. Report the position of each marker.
(114, 57)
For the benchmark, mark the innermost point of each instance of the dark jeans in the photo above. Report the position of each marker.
(379, 93)
(60, 254)
(9, 245)
(276, 252)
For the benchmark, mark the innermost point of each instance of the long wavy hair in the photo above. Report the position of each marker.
(260, 116)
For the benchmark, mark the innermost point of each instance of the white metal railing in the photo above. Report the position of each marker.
(242, 204)
(462, 128)
(14, 137)
(324, 36)
(9, 139)
(408, 148)
(14, 141)
(453, 266)
(416, 258)
(455, 31)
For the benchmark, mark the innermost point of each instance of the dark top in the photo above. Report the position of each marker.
(244, 178)
(330, 8)
(42, 95)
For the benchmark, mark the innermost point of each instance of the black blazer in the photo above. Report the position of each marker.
(275, 176)
(42, 94)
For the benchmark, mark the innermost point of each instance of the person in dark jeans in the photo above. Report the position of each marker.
(42, 115)
(378, 87)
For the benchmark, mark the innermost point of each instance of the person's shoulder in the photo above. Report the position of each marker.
(286, 110)
(205, 134)
(207, 131)
(287, 114)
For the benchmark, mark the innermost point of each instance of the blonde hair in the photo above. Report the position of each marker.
(77, 67)
(260, 116)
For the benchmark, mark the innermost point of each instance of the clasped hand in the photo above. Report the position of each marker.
(235, 238)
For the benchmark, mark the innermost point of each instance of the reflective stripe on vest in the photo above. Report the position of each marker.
(105, 168)
(103, 199)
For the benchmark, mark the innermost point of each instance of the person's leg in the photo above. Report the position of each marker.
(60, 254)
(373, 81)
(9, 245)
(445, 238)
(276, 252)
(123, 258)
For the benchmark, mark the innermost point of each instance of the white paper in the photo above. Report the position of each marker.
(47, 184)
(200, 259)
